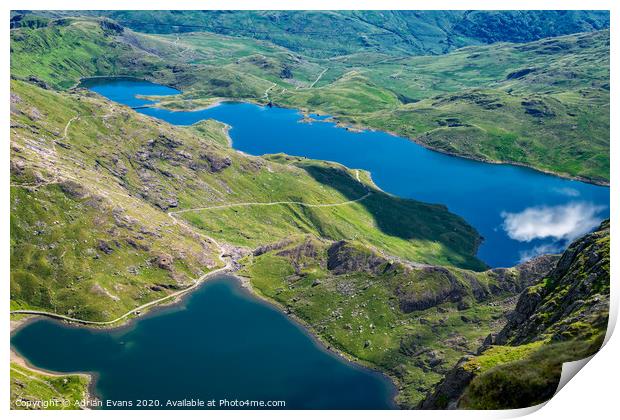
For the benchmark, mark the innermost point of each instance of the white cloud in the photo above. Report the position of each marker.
(564, 222)
(567, 191)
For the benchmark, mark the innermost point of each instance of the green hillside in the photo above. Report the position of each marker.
(544, 104)
(412, 321)
(394, 32)
(32, 390)
(559, 319)
(112, 210)
(89, 207)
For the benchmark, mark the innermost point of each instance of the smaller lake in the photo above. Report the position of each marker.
(220, 343)
(520, 212)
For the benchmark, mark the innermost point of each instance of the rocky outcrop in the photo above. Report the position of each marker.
(450, 389)
(519, 73)
(301, 255)
(344, 257)
(571, 303)
(111, 26)
(537, 108)
(164, 261)
(576, 292)
(425, 286)
(461, 286)
(217, 163)
(446, 288)
(516, 279)
(263, 249)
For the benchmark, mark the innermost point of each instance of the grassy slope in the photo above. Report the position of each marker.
(57, 392)
(329, 33)
(411, 322)
(472, 102)
(66, 50)
(525, 377)
(84, 246)
(91, 246)
(467, 102)
(561, 318)
(115, 158)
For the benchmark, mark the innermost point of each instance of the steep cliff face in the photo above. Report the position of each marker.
(561, 318)
(572, 302)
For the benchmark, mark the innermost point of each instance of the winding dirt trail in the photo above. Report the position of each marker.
(318, 78)
(224, 255)
(275, 203)
(55, 178)
(266, 94)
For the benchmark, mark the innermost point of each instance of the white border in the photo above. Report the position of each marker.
(592, 395)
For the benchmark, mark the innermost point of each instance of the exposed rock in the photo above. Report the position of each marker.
(104, 247)
(448, 289)
(38, 82)
(17, 166)
(286, 72)
(271, 247)
(570, 303)
(301, 255)
(483, 100)
(164, 261)
(516, 279)
(537, 108)
(73, 189)
(520, 73)
(577, 290)
(448, 392)
(110, 26)
(342, 257)
(99, 290)
(218, 163)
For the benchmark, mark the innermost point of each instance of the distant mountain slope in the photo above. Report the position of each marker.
(331, 33)
(543, 104)
(560, 319)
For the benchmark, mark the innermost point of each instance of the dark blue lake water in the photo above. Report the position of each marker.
(520, 212)
(221, 343)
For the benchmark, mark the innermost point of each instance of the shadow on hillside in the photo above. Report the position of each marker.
(404, 218)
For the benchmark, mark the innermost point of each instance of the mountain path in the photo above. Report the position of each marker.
(225, 256)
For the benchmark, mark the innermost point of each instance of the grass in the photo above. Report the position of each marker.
(335, 33)
(531, 379)
(33, 390)
(406, 228)
(543, 104)
(90, 246)
(371, 315)
(465, 103)
(74, 256)
(498, 355)
(560, 319)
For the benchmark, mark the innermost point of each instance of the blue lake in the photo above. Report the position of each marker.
(223, 343)
(519, 212)
(220, 343)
